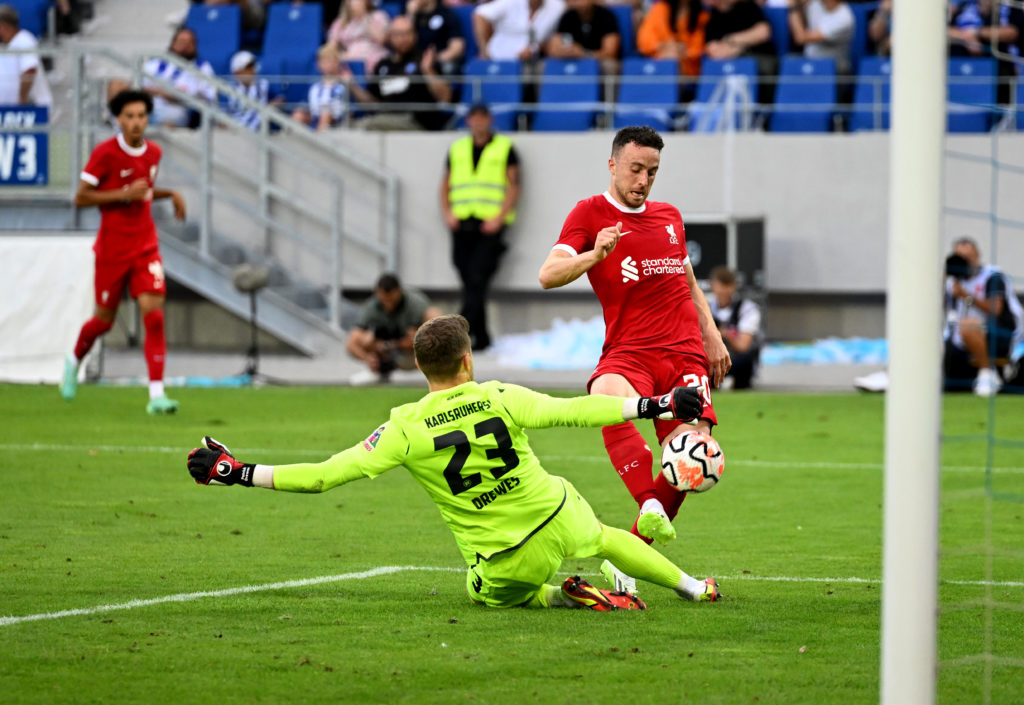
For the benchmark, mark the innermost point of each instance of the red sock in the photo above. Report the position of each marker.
(91, 330)
(632, 458)
(669, 496)
(155, 345)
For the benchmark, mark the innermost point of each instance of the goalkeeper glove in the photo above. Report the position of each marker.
(683, 403)
(213, 464)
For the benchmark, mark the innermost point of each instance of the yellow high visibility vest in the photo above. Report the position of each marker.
(479, 193)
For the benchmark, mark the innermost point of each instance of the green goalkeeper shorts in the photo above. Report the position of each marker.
(511, 579)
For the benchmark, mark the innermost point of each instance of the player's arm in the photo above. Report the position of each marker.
(213, 464)
(714, 347)
(562, 267)
(530, 409)
(176, 198)
(88, 195)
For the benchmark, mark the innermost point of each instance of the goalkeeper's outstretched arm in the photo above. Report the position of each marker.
(213, 464)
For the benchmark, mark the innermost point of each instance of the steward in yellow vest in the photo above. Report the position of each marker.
(478, 199)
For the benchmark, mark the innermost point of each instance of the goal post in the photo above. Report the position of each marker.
(914, 330)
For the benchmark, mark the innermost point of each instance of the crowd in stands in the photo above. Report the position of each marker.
(367, 65)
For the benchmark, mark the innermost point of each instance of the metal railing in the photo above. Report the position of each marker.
(269, 214)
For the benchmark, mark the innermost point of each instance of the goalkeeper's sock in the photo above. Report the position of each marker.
(671, 498)
(155, 347)
(550, 596)
(632, 459)
(638, 560)
(91, 330)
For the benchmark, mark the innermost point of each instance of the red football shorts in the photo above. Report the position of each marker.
(142, 275)
(653, 372)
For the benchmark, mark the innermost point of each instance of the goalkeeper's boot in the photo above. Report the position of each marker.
(586, 595)
(161, 405)
(619, 581)
(653, 522)
(710, 593)
(69, 383)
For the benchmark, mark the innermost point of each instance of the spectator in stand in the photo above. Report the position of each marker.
(22, 80)
(824, 28)
(245, 80)
(437, 27)
(360, 33)
(328, 97)
(167, 109)
(401, 80)
(739, 28)
(674, 30)
(880, 28)
(973, 27)
(739, 321)
(587, 29)
(515, 29)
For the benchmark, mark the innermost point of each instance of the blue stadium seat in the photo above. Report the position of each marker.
(32, 15)
(651, 83)
(718, 79)
(575, 84)
(292, 36)
(971, 95)
(498, 84)
(805, 99)
(1020, 105)
(464, 13)
(624, 16)
(778, 18)
(218, 31)
(393, 8)
(859, 48)
(871, 94)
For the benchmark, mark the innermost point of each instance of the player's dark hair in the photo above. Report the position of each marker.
(723, 275)
(388, 282)
(640, 135)
(130, 95)
(439, 345)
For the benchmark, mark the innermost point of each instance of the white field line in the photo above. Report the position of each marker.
(80, 448)
(390, 570)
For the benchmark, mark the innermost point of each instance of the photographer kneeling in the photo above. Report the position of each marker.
(984, 320)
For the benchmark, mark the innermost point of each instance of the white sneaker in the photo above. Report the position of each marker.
(874, 382)
(365, 378)
(988, 383)
(619, 581)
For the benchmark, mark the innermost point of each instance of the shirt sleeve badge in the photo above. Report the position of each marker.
(371, 441)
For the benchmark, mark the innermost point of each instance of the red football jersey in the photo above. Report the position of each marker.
(642, 283)
(127, 230)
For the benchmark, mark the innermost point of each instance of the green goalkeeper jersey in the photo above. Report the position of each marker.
(468, 448)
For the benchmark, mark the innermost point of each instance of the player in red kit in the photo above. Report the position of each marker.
(658, 326)
(119, 179)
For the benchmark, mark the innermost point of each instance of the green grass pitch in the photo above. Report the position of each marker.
(97, 509)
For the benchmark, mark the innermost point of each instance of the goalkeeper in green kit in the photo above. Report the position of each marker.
(465, 444)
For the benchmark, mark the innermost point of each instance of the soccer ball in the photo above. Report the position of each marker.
(692, 462)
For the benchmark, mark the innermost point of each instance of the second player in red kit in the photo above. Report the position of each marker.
(120, 179)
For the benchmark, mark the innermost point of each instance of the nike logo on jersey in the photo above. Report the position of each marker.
(625, 233)
(126, 172)
(629, 270)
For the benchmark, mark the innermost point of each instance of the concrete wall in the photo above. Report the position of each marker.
(824, 198)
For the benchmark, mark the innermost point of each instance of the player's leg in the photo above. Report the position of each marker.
(686, 371)
(108, 282)
(633, 460)
(149, 288)
(636, 558)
